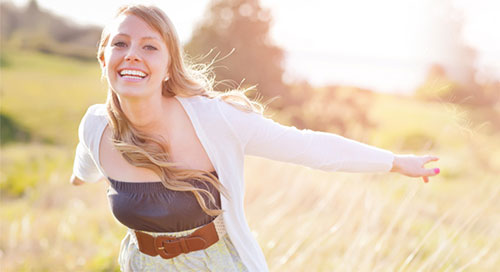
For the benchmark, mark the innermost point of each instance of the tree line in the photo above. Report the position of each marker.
(234, 36)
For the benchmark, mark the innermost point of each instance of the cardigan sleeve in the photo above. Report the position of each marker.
(261, 136)
(84, 166)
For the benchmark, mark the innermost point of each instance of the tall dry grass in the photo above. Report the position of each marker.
(304, 219)
(307, 220)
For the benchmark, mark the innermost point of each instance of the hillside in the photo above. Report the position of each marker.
(32, 28)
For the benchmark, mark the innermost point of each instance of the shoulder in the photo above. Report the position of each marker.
(201, 99)
(197, 99)
(216, 108)
(97, 110)
(94, 119)
(95, 114)
(201, 104)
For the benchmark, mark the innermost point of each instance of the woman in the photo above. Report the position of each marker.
(172, 152)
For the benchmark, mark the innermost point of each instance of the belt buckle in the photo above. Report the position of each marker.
(162, 243)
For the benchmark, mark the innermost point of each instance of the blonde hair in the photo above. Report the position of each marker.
(185, 80)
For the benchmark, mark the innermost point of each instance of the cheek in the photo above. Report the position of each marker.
(165, 63)
(110, 60)
(110, 56)
(108, 71)
(160, 66)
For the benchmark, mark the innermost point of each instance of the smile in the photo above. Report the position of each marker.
(133, 75)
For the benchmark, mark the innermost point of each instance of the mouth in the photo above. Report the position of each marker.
(132, 74)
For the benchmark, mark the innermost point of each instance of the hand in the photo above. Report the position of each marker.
(413, 166)
(76, 181)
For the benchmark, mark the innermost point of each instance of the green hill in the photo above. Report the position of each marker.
(48, 95)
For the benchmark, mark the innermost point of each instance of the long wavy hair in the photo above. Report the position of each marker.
(185, 79)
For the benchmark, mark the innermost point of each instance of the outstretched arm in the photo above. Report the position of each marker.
(413, 166)
(263, 137)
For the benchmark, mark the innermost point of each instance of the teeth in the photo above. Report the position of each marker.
(132, 73)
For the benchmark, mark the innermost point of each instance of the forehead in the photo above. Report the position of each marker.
(133, 26)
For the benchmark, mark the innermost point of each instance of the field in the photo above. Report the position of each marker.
(304, 219)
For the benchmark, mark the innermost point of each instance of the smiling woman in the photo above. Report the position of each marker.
(172, 150)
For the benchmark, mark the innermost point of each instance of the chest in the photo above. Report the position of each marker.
(185, 149)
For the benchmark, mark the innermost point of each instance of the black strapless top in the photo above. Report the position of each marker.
(149, 206)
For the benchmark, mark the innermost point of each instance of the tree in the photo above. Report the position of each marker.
(452, 76)
(32, 28)
(242, 25)
(343, 110)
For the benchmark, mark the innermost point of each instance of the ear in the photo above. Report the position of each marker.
(101, 60)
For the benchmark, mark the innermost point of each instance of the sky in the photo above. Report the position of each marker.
(384, 45)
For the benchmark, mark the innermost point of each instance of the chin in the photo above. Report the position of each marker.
(130, 92)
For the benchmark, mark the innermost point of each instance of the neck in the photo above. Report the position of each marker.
(146, 114)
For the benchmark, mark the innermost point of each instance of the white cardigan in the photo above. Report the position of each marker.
(228, 134)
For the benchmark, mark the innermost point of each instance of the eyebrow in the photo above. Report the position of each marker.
(143, 38)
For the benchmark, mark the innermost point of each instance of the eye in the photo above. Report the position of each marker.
(119, 44)
(150, 47)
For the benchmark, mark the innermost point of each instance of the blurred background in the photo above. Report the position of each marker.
(413, 77)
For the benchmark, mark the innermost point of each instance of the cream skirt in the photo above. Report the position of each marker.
(221, 256)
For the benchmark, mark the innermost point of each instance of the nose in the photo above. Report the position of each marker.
(132, 55)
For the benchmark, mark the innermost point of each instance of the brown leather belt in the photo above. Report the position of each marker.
(169, 247)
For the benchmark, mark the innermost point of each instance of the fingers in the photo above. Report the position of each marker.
(429, 158)
(429, 172)
(414, 166)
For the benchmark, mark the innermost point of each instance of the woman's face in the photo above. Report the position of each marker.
(136, 58)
